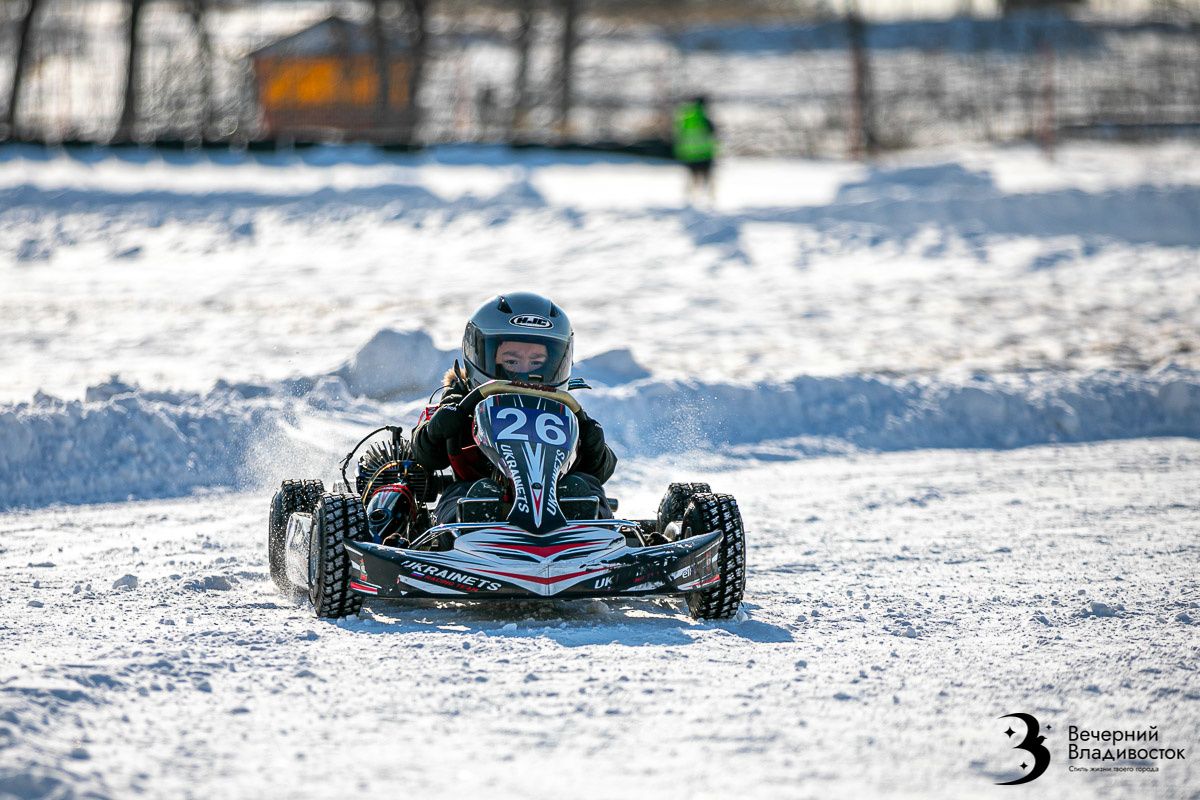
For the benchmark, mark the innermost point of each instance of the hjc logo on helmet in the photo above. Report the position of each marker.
(530, 321)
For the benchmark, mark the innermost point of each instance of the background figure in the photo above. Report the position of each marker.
(696, 145)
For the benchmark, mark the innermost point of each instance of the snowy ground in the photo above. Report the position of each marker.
(987, 260)
(897, 604)
(801, 344)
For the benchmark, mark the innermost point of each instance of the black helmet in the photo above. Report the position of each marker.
(518, 337)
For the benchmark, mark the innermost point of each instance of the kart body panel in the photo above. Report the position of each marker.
(581, 559)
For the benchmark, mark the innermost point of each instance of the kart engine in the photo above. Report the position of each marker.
(391, 484)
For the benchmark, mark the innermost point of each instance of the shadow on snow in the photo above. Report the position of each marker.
(570, 623)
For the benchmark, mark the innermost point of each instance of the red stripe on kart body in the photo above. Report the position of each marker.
(711, 580)
(362, 587)
(540, 580)
(542, 551)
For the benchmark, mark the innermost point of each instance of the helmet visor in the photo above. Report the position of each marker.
(526, 358)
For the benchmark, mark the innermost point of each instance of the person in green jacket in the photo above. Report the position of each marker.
(696, 144)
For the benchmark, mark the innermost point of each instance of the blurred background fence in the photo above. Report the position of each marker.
(805, 81)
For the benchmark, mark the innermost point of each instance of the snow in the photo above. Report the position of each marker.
(128, 446)
(1015, 33)
(611, 368)
(829, 269)
(956, 394)
(146, 444)
(894, 599)
(395, 362)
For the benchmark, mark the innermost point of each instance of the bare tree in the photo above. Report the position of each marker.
(520, 109)
(383, 63)
(418, 37)
(24, 36)
(862, 128)
(570, 39)
(129, 106)
(197, 9)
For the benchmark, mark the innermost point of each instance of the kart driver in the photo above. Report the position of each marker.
(520, 337)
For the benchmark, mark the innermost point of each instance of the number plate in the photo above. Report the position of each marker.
(511, 424)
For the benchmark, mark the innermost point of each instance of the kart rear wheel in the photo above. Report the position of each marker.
(709, 512)
(675, 501)
(292, 497)
(338, 518)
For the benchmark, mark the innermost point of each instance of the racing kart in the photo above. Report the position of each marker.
(529, 531)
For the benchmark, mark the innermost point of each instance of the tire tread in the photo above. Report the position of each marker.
(337, 518)
(675, 501)
(706, 512)
(294, 496)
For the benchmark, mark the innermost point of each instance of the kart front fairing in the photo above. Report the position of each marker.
(534, 551)
(581, 559)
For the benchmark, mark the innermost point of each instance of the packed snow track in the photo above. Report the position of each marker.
(895, 604)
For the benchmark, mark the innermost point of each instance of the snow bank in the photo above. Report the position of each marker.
(394, 363)
(897, 414)
(401, 363)
(898, 203)
(611, 368)
(127, 446)
(144, 444)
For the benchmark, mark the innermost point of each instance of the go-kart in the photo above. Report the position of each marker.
(530, 531)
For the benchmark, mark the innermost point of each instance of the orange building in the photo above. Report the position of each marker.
(323, 81)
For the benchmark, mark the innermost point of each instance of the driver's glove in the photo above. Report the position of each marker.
(591, 439)
(446, 423)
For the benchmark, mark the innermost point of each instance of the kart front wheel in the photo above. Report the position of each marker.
(707, 512)
(293, 497)
(338, 518)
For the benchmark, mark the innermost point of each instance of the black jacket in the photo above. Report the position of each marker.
(429, 438)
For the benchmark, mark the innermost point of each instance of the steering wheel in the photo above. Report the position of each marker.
(486, 390)
(480, 393)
